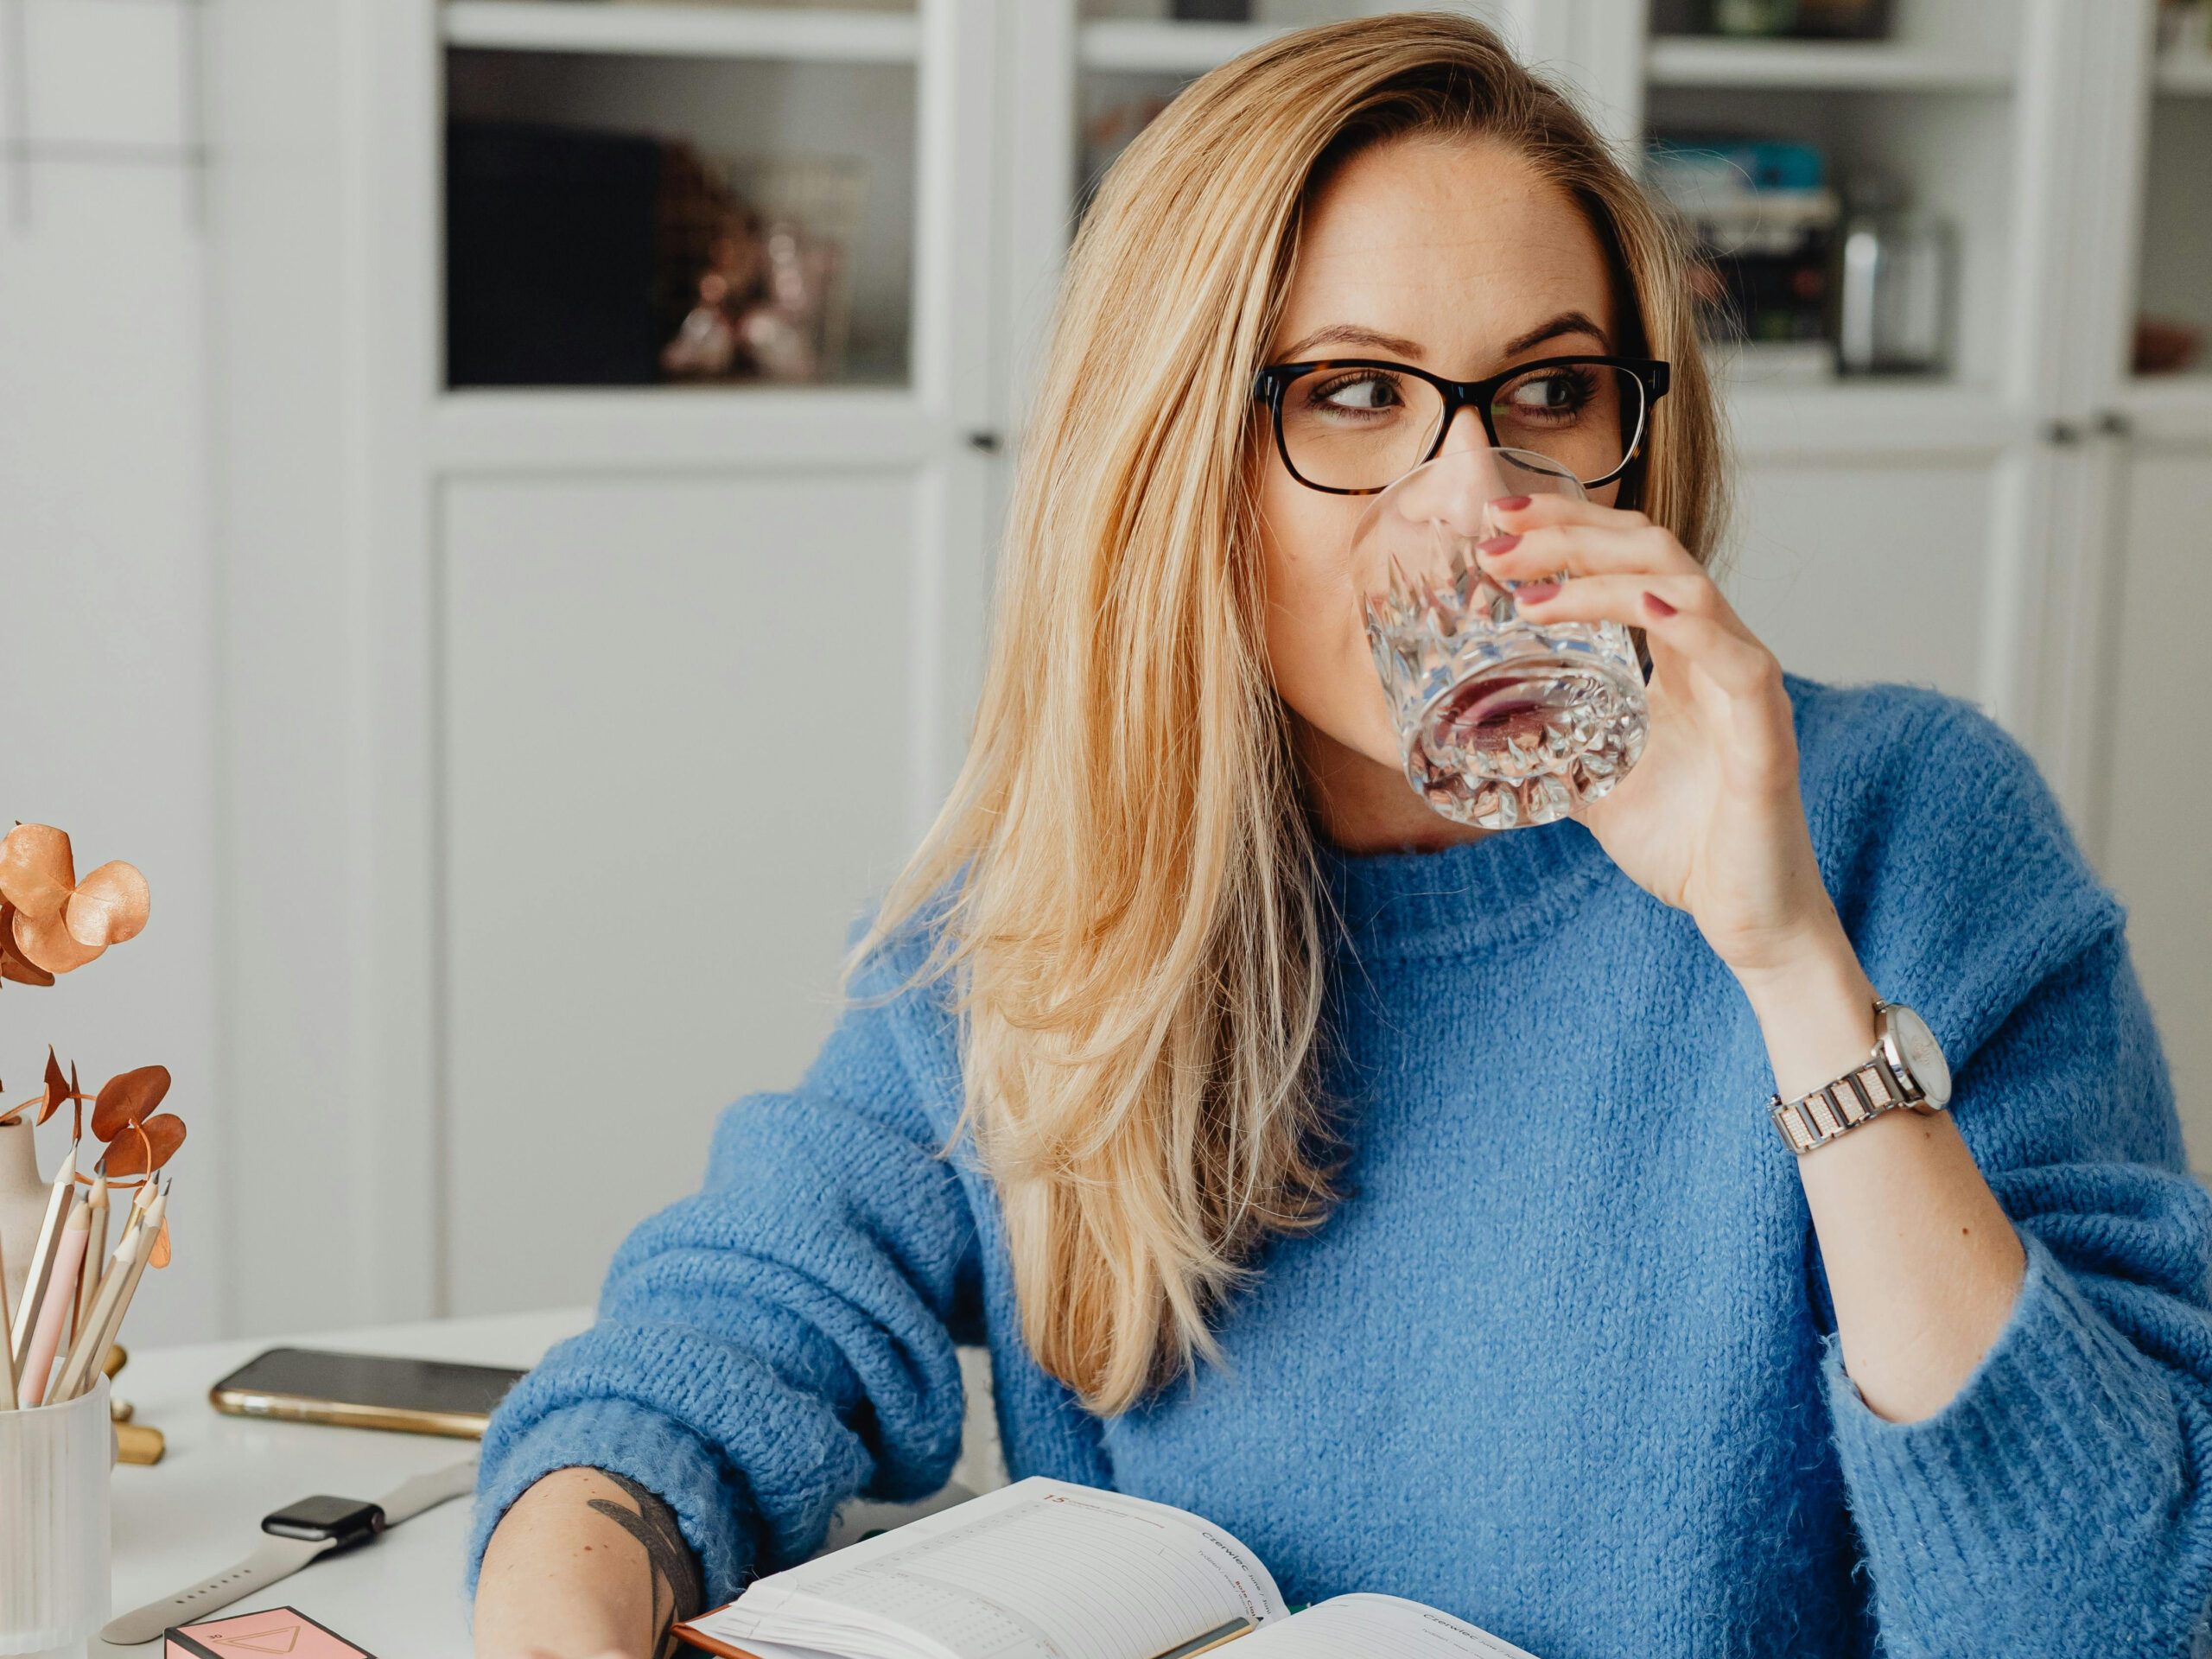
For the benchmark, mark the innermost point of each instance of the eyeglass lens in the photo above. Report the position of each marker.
(1363, 428)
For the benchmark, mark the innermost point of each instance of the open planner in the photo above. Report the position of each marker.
(1044, 1570)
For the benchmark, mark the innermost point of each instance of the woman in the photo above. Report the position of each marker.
(1404, 1198)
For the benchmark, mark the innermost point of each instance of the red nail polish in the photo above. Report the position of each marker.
(1510, 502)
(1497, 544)
(1535, 592)
(1657, 607)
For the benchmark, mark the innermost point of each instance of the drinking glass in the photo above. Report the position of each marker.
(1501, 721)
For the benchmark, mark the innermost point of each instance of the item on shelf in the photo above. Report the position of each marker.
(1770, 365)
(550, 255)
(1210, 11)
(1754, 17)
(756, 250)
(579, 257)
(2185, 28)
(1765, 221)
(1900, 270)
(1849, 20)
(2165, 346)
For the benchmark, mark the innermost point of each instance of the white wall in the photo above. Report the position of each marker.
(107, 712)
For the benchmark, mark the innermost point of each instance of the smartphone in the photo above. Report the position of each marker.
(415, 1397)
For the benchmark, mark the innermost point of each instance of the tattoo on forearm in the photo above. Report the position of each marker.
(678, 1592)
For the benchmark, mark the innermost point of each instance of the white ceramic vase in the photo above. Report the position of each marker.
(23, 1205)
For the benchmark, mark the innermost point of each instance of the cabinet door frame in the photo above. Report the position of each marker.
(328, 229)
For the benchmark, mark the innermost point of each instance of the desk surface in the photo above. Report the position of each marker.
(199, 1508)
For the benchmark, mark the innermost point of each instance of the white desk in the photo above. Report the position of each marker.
(199, 1508)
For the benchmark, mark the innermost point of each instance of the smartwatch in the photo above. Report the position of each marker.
(343, 1522)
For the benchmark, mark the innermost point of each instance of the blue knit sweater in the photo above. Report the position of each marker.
(1563, 1361)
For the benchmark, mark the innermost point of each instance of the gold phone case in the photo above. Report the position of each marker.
(308, 1408)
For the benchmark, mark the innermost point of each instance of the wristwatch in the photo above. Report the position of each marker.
(299, 1532)
(1907, 1068)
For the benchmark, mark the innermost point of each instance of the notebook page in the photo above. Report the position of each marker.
(1374, 1627)
(1039, 1570)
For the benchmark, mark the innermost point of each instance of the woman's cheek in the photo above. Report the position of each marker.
(1316, 644)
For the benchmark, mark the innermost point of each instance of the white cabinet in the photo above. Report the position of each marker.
(676, 744)
(2155, 817)
(570, 727)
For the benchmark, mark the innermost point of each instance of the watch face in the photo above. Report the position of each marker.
(1923, 1057)
(324, 1517)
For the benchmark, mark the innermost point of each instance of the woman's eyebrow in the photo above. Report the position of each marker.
(1346, 334)
(1567, 322)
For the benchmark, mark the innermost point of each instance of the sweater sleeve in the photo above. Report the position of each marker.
(2061, 1504)
(776, 1344)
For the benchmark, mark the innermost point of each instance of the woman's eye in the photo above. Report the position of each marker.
(1551, 394)
(1362, 396)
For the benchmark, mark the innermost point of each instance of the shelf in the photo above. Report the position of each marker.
(1691, 60)
(684, 31)
(681, 429)
(1848, 422)
(2188, 75)
(1137, 47)
(2170, 408)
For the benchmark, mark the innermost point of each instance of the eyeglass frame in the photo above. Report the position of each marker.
(1274, 380)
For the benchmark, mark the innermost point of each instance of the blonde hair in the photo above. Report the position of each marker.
(1123, 879)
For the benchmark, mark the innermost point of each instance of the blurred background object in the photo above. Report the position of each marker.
(510, 485)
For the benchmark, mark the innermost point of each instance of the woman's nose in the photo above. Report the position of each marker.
(1455, 490)
(1463, 432)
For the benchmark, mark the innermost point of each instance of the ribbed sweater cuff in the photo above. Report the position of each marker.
(2060, 1463)
(626, 1439)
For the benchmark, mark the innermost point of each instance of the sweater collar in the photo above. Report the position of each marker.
(1477, 893)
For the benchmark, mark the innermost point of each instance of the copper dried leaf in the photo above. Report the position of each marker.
(46, 942)
(128, 1095)
(108, 905)
(13, 964)
(36, 869)
(57, 1087)
(164, 1132)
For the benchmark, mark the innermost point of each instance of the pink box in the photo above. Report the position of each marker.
(280, 1631)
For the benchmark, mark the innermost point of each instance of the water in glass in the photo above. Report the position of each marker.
(1501, 722)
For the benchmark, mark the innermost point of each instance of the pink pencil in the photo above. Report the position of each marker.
(61, 1297)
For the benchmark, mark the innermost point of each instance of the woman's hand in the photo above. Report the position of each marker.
(1709, 820)
(585, 1565)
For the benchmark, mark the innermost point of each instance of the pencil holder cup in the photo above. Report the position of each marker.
(54, 1524)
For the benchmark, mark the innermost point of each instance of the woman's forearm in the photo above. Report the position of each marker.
(1923, 1263)
(585, 1565)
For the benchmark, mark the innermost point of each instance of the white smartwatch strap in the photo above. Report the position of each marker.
(277, 1559)
(411, 1498)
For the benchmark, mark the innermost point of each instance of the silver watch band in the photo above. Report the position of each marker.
(1827, 1114)
(276, 1558)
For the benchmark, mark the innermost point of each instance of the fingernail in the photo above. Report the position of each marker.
(1497, 544)
(1658, 605)
(1534, 593)
(1510, 502)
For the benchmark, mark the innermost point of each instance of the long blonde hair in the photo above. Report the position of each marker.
(1123, 878)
